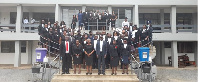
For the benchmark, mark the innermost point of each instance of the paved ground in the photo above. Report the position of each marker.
(165, 74)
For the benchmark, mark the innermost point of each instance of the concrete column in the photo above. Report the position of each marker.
(110, 9)
(57, 13)
(174, 54)
(157, 59)
(162, 53)
(19, 18)
(135, 15)
(173, 19)
(194, 19)
(196, 52)
(83, 8)
(162, 18)
(29, 46)
(17, 60)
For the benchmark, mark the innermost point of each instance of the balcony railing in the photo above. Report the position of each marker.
(33, 28)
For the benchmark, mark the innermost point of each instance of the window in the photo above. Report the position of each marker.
(167, 18)
(13, 16)
(120, 12)
(154, 17)
(167, 44)
(185, 47)
(7, 47)
(184, 19)
(23, 46)
(44, 16)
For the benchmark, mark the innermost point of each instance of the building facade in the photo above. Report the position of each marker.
(174, 22)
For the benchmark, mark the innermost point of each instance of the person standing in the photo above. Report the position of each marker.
(95, 61)
(80, 19)
(101, 51)
(114, 55)
(89, 50)
(125, 23)
(77, 55)
(144, 36)
(125, 55)
(65, 52)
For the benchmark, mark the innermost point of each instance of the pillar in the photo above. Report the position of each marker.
(173, 19)
(83, 8)
(195, 45)
(162, 53)
(135, 15)
(110, 9)
(19, 18)
(17, 60)
(57, 13)
(162, 19)
(174, 54)
(194, 19)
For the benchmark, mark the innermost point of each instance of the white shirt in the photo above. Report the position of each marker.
(133, 33)
(104, 37)
(109, 40)
(66, 46)
(60, 30)
(125, 23)
(32, 21)
(115, 37)
(43, 25)
(85, 42)
(101, 46)
(47, 29)
(95, 44)
(125, 45)
(25, 21)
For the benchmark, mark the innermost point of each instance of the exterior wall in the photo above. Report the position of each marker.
(106, 2)
(168, 53)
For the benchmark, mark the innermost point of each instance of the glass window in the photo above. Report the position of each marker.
(13, 16)
(44, 16)
(154, 17)
(23, 46)
(120, 11)
(184, 19)
(167, 44)
(8, 47)
(185, 47)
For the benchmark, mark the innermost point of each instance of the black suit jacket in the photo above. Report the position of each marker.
(63, 48)
(104, 48)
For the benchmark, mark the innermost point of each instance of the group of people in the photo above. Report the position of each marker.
(89, 19)
(95, 51)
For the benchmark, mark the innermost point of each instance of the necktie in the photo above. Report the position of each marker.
(66, 46)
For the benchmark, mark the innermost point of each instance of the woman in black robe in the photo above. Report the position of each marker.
(77, 55)
(89, 50)
(125, 52)
(114, 61)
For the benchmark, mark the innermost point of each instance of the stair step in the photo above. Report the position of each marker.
(94, 78)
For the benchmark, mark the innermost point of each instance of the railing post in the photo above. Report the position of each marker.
(106, 24)
(97, 24)
(88, 25)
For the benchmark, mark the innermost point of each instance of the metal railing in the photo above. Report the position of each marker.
(96, 25)
(33, 28)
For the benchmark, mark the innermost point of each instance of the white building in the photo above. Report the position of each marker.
(174, 21)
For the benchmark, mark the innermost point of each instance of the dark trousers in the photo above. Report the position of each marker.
(70, 62)
(101, 63)
(107, 61)
(65, 63)
(95, 61)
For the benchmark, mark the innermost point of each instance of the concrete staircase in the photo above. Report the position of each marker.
(95, 77)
